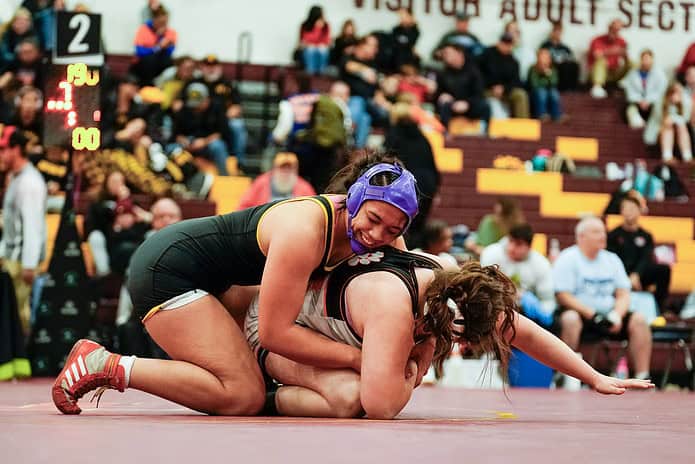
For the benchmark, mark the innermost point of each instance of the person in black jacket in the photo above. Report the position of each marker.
(460, 88)
(563, 59)
(635, 247)
(406, 140)
(501, 72)
(405, 35)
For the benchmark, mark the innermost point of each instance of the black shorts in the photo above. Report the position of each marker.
(592, 332)
(155, 276)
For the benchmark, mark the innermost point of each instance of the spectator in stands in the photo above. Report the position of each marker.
(412, 82)
(28, 117)
(687, 61)
(225, 95)
(462, 37)
(108, 223)
(294, 114)
(528, 269)
(635, 248)
(593, 295)
(314, 40)
(53, 166)
(501, 73)
(437, 239)
(345, 43)
(542, 82)
(644, 87)
(407, 140)
(154, 44)
(460, 87)
(608, 60)
(280, 183)
(21, 27)
(689, 90)
(668, 121)
(28, 68)
(405, 36)
(524, 55)
(23, 243)
(506, 214)
(563, 59)
(125, 109)
(173, 80)
(44, 13)
(201, 127)
(325, 139)
(359, 72)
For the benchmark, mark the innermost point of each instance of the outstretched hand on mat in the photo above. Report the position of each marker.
(612, 386)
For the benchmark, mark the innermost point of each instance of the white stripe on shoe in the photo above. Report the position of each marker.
(68, 377)
(73, 366)
(80, 362)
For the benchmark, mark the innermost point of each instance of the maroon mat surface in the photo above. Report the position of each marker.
(439, 425)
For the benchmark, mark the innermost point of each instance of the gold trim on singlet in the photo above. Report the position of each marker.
(328, 234)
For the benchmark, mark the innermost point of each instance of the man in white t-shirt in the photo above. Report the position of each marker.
(593, 295)
(529, 269)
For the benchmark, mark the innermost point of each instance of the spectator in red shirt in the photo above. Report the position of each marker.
(280, 183)
(608, 59)
(314, 39)
(688, 61)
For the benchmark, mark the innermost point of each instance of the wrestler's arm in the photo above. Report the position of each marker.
(294, 251)
(553, 352)
(383, 305)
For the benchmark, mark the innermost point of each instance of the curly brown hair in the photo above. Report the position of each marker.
(486, 299)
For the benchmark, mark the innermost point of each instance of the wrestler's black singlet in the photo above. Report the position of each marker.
(386, 259)
(210, 254)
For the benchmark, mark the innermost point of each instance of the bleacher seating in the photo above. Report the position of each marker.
(594, 135)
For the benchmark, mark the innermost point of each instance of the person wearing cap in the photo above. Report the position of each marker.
(224, 94)
(185, 279)
(501, 73)
(200, 127)
(23, 243)
(280, 183)
(462, 37)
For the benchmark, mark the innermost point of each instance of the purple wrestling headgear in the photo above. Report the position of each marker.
(401, 193)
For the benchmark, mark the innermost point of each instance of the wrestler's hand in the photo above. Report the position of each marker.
(612, 386)
(422, 354)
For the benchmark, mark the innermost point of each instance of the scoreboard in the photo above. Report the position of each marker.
(72, 103)
(72, 109)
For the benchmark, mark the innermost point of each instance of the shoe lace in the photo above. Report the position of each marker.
(97, 394)
(100, 382)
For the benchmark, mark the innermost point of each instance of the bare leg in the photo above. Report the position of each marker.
(213, 370)
(640, 338)
(571, 328)
(684, 142)
(667, 135)
(314, 392)
(237, 300)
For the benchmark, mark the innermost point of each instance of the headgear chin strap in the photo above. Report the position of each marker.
(400, 193)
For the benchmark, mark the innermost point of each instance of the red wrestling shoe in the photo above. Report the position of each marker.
(88, 367)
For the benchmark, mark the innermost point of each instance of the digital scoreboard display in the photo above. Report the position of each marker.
(72, 107)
